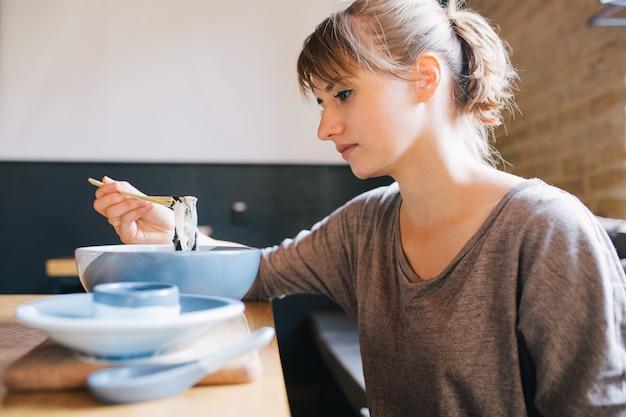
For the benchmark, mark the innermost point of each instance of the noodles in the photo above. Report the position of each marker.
(185, 223)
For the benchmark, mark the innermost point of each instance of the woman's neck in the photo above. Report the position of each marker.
(438, 193)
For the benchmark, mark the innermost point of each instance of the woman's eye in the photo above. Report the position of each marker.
(343, 95)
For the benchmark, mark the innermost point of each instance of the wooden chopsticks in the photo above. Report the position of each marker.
(162, 200)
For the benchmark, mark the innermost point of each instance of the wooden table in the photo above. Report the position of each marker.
(266, 396)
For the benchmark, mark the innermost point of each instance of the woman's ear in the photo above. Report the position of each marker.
(427, 71)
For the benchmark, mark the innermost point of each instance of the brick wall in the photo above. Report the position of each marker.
(572, 97)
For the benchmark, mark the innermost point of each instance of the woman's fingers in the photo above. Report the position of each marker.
(111, 203)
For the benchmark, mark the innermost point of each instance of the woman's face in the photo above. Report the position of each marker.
(373, 121)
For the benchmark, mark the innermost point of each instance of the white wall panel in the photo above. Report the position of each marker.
(157, 81)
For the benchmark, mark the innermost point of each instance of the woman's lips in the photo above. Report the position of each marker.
(346, 150)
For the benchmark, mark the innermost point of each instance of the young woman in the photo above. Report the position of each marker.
(476, 292)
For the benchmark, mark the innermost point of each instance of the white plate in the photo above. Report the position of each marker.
(68, 320)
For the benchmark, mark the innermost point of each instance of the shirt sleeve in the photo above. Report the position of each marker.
(316, 261)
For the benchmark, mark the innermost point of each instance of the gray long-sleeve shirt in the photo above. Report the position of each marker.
(539, 283)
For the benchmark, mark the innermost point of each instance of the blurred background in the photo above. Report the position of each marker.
(198, 97)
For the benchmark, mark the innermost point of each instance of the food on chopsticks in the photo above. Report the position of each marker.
(185, 216)
(185, 223)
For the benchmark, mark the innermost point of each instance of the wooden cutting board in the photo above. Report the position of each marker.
(50, 366)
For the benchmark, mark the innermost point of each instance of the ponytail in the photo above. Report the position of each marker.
(485, 80)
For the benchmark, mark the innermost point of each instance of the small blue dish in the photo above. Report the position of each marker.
(135, 299)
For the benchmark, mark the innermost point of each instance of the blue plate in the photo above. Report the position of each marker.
(67, 319)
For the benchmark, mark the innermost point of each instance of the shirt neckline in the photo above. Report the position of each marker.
(412, 277)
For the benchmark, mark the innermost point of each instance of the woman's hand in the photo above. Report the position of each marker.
(135, 221)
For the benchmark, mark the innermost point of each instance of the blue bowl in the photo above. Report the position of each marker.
(218, 271)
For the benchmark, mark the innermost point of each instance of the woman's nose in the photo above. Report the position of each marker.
(330, 126)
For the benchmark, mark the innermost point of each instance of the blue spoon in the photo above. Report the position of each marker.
(128, 384)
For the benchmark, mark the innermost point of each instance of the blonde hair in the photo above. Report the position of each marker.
(387, 36)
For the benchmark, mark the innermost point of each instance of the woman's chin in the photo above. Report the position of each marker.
(363, 173)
